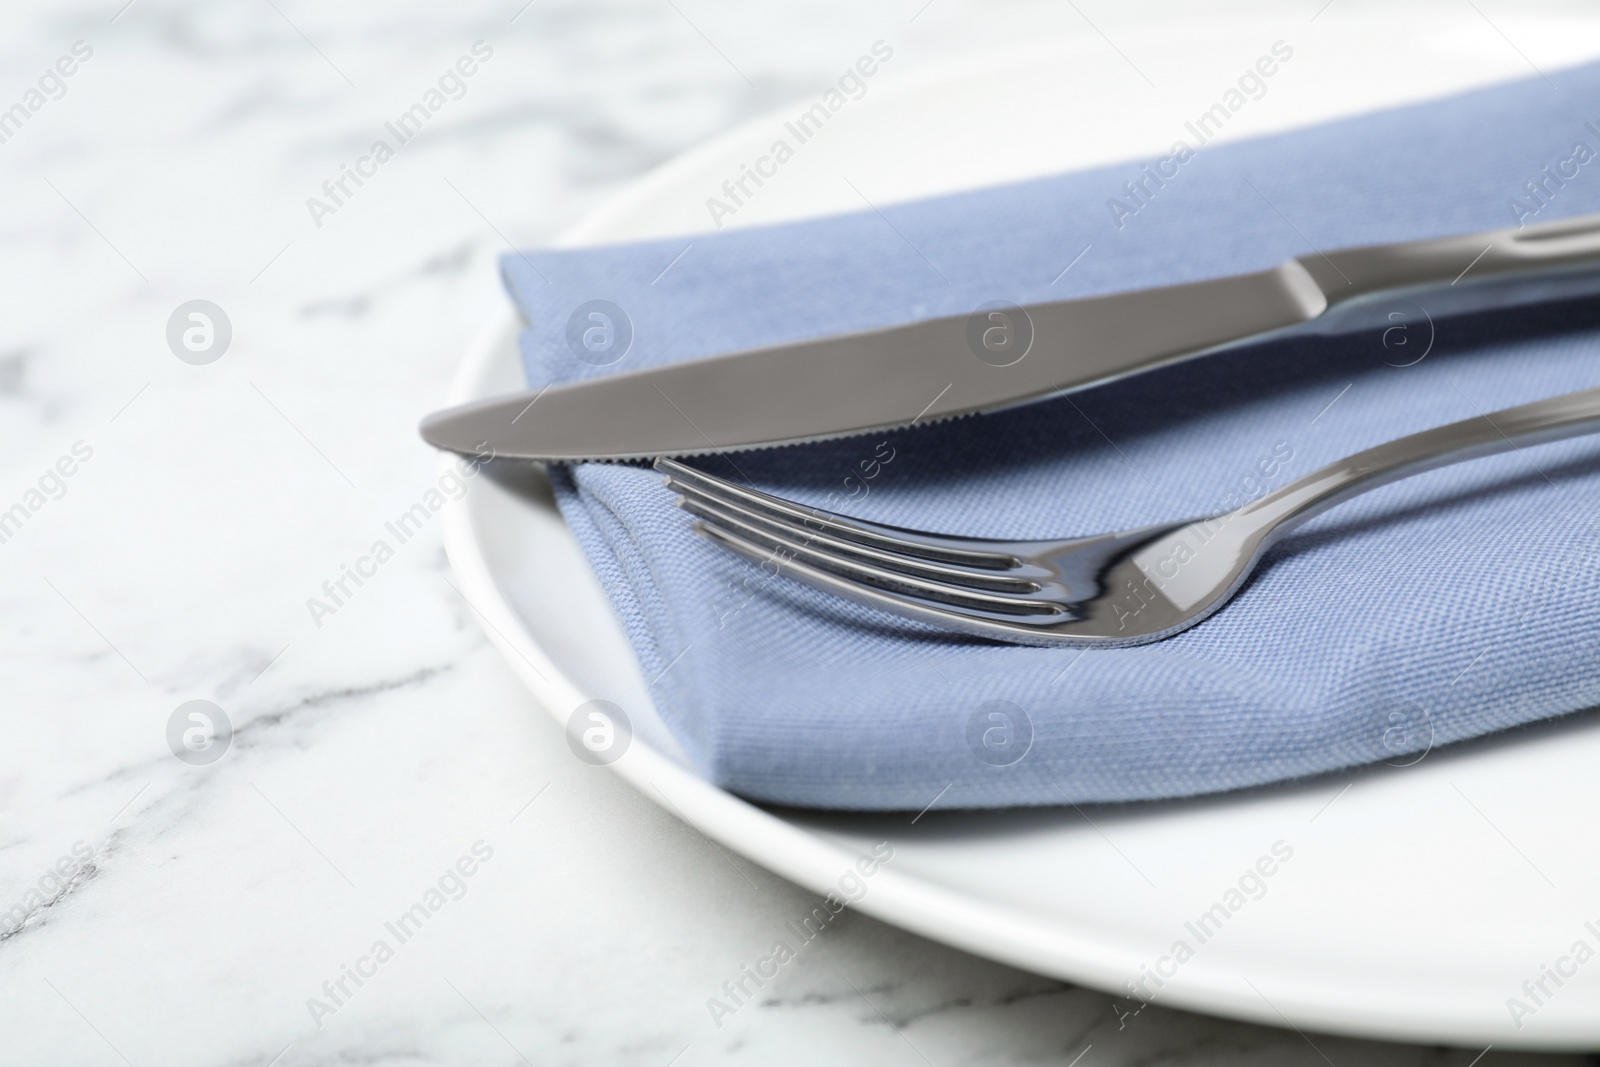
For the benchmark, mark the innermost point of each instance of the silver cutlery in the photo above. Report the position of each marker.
(1105, 590)
(997, 356)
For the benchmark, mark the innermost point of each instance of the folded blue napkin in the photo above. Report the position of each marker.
(1441, 608)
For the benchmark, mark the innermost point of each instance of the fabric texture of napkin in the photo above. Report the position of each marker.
(1444, 607)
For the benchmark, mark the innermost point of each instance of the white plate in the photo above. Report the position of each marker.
(1414, 904)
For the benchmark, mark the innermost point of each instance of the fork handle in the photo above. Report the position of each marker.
(1543, 421)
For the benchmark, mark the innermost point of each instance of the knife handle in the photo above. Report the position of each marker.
(1497, 268)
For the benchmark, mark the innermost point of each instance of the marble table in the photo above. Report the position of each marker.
(211, 882)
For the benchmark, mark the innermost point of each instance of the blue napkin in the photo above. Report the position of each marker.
(1444, 607)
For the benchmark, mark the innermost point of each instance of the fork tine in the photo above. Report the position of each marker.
(693, 501)
(888, 538)
(730, 527)
(943, 616)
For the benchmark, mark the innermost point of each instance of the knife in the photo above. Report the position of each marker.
(1001, 356)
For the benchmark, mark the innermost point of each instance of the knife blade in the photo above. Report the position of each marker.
(1001, 356)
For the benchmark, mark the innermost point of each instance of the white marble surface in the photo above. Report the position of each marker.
(376, 749)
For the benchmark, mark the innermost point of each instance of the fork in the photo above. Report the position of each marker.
(1104, 590)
